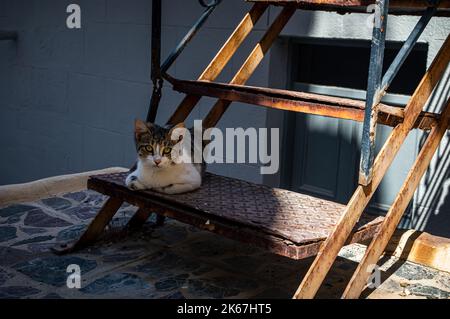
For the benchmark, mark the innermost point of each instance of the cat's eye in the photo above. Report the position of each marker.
(167, 150)
(149, 148)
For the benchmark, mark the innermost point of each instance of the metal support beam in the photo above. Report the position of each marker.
(95, 228)
(395, 213)
(309, 103)
(406, 49)
(330, 248)
(189, 35)
(158, 70)
(373, 91)
(251, 63)
(156, 61)
(374, 95)
(218, 63)
(139, 218)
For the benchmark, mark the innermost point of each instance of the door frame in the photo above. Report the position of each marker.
(288, 121)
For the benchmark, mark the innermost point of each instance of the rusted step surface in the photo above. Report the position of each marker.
(284, 222)
(310, 103)
(397, 7)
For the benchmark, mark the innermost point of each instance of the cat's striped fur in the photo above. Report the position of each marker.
(158, 166)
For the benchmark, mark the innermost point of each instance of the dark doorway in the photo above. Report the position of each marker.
(324, 152)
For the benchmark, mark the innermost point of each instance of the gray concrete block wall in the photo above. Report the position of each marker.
(69, 97)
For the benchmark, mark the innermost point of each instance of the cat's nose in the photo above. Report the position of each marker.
(157, 161)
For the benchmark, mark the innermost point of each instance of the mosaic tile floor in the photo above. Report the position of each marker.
(173, 261)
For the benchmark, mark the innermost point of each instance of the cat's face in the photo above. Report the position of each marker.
(154, 143)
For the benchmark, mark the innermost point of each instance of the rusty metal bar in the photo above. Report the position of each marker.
(374, 97)
(357, 3)
(156, 61)
(380, 241)
(309, 103)
(406, 48)
(218, 63)
(373, 91)
(330, 249)
(95, 228)
(251, 63)
(396, 6)
(158, 70)
(139, 218)
(190, 34)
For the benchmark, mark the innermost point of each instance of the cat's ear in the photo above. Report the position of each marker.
(177, 134)
(140, 127)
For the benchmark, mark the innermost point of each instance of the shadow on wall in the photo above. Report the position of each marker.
(431, 207)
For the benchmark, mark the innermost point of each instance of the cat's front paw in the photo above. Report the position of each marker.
(165, 189)
(177, 188)
(133, 183)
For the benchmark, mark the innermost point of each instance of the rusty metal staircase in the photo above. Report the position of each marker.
(284, 222)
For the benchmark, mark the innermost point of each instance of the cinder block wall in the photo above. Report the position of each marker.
(69, 96)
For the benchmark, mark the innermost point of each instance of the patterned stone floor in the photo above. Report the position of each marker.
(173, 261)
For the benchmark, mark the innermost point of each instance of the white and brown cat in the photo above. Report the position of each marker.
(158, 165)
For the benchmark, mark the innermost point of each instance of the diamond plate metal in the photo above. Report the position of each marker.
(296, 217)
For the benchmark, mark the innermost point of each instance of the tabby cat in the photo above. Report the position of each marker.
(160, 166)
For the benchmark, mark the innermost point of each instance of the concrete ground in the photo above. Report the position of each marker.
(173, 261)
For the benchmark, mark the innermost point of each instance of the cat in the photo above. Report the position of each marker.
(159, 166)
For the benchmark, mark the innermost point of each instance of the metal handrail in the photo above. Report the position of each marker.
(159, 71)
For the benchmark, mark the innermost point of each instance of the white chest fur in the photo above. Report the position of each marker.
(178, 178)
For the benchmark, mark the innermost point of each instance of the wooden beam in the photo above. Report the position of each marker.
(221, 59)
(251, 63)
(380, 241)
(331, 247)
(95, 228)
